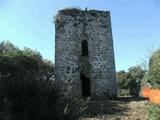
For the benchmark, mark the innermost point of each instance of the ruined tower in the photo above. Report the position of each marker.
(84, 58)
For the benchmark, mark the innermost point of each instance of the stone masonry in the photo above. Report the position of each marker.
(84, 58)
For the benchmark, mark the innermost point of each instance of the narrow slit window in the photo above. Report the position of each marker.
(84, 48)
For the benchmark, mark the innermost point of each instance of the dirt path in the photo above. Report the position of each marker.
(118, 110)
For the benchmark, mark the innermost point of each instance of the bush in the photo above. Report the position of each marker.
(154, 112)
(75, 108)
(152, 79)
(122, 79)
(28, 90)
(130, 81)
(123, 92)
(135, 75)
(153, 75)
(27, 86)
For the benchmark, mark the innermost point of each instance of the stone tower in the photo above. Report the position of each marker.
(84, 58)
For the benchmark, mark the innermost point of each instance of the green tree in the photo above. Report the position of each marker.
(130, 80)
(28, 90)
(152, 79)
(27, 84)
(7, 46)
(135, 75)
(122, 79)
(153, 76)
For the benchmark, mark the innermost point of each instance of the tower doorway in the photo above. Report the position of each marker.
(85, 84)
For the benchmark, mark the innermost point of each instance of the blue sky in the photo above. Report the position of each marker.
(135, 25)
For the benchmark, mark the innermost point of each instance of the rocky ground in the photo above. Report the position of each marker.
(118, 110)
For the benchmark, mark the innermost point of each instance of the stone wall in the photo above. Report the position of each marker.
(72, 27)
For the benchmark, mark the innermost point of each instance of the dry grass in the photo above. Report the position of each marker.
(121, 110)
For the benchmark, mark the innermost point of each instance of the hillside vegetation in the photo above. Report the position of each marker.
(28, 90)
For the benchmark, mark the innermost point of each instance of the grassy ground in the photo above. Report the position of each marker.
(122, 109)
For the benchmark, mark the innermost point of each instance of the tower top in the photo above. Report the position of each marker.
(77, 10)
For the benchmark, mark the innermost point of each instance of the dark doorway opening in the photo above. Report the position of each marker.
(85, 83)
(84, 48)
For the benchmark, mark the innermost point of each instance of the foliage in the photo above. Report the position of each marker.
(75, 108)
(152, 79)
(28, 90)
(122, 80)
(71, 8)
(7, 46)
(123, 92)
(135, 75)
(123, 89)
(27, 86)
(154, 112)
(130, 80)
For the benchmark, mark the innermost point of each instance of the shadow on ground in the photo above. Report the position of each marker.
(118, 107)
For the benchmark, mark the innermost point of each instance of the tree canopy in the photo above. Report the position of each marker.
(27, 83)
